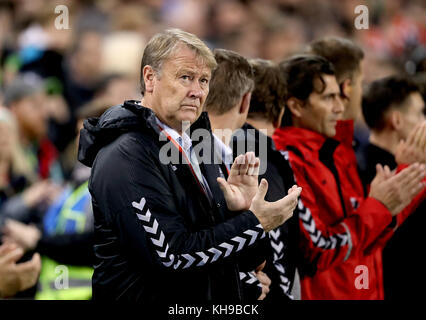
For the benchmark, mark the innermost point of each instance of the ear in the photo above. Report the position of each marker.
(277, 122)
(346, 88)
(148, 77)
(245, 103)
(396, 120)
(295, 106)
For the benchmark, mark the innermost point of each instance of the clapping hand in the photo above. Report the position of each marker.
(242, 183)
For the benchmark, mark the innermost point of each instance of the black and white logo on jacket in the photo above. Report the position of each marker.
(199, 258)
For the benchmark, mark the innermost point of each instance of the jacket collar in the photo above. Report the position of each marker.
(119, 119)
(299, 138)
(150, 119)
(345, 132)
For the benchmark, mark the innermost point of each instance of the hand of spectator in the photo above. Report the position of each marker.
(274, 214)
(396, 191)
(57, 108)
(25, 236)
(414, 148)
(242, 183)
(16, 277)
(264, 280)
(39, 192)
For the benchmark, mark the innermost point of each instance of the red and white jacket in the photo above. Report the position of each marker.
(338, 226)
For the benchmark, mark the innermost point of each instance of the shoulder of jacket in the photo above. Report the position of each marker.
(130, 145)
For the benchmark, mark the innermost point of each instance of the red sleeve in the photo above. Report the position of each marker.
(328, 245)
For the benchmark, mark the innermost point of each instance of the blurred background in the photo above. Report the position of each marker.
(52, 77)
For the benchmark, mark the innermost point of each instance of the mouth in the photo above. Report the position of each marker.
(191, 107)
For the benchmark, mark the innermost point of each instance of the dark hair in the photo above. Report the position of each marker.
(232, 78)
(383, 94)
(268, 97)
(301, 71)
(345, 55)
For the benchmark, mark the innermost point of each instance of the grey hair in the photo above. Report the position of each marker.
(162, 46)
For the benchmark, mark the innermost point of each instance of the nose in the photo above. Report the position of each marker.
(338, 107)
(196, 92)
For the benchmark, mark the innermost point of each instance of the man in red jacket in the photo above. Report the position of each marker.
(336, 236)
(347, 59)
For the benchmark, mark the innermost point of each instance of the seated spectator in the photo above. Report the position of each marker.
(25, 98)
(395, 112)
(15, 171)
(22, 195)
(37, 172)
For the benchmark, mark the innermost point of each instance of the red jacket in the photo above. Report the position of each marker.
(339, 228)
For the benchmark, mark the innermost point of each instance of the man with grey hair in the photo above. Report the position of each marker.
(163, 229)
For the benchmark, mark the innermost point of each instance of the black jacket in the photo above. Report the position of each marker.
(403, 274)
(282, 251)
(157, 235)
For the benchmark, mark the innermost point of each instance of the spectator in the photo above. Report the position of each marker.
(335, 236)
(15, 277)
(15, 172)
(26, 100)
(395, 112)
(66, 234)
(33, 152)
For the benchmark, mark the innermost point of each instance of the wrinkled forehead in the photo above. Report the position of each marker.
(185, 56)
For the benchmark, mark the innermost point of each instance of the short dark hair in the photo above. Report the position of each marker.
(301, 71)
(232, 78)
(268, 97)
(344, 54)
(384, 94)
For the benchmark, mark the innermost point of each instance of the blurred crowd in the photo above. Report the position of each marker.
(51, 79)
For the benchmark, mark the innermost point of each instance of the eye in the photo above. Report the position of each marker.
(185, 77)
(205, 81)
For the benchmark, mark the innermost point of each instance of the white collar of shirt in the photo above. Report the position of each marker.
(186, 140)
(186, 146)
